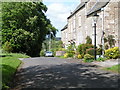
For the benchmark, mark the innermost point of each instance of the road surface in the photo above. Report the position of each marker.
(53, 72)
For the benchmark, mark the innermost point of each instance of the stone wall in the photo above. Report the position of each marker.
(80, 26)
(60, 53)
(119, 24)
(64, 35)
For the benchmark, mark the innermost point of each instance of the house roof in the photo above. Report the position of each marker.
(97, 7)
(65, 27)
(82, 4)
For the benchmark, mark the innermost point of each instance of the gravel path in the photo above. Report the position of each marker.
(54, 72)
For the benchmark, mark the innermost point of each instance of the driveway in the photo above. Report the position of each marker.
(52, 72)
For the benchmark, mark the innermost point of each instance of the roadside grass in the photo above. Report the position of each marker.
(9, 63)
(115, 68)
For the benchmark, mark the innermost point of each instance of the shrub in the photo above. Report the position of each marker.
(90, 51)
(66, 55)
(88, 40)
(106, 46)
(99, 51)
(73, 52)
(112, 53)
(70, 48)
(79, 56)
(88, 58)
(111, 40)
(61, 49)
(82, 48)
(54, 51)
(7, 47)
(42, 53)
(70, 54)
(101, 59)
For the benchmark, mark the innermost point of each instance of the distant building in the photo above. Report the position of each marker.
(80, 22)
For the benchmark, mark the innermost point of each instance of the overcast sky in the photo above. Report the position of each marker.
(59, 10)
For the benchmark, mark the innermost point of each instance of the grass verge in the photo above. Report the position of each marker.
(9, 63)
(115, 68)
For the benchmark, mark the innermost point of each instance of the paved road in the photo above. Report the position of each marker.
(54, 72)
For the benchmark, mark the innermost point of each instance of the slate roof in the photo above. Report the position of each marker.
(65, 27)
(97, 7)
(82, 4)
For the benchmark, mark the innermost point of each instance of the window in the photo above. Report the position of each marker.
(79, 20)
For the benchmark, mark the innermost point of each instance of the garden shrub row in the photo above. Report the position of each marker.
(86, 52)
(112, 53)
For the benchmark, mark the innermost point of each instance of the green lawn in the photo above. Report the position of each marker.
(115, 68)
(9, 63)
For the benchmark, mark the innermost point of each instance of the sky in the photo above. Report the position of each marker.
(58, 11)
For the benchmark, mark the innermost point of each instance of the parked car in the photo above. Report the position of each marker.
(49, 54)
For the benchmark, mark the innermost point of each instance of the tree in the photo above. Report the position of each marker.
(25, 26)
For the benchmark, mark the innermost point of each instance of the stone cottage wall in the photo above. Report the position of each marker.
(80, 26)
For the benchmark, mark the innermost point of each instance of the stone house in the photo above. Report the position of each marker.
(65, 36)
(80, 22)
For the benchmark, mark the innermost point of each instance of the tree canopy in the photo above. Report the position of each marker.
(25, 26)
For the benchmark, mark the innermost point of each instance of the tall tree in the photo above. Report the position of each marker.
(25, 26)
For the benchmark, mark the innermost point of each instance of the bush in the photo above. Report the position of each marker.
(79, 56)
(88, 58)
(90, 51)
(88, 40)
(101, 59)
(42, 53)
(70, 48)
(7, 47)
(70, 54)
(99, 51)
(82, 48)
(54, 51)
(61, 49)
(112, 53)
(106, 46)
(66, 55)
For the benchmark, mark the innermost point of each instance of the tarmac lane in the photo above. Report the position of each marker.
(53, 72)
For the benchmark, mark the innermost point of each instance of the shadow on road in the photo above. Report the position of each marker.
(65, 76)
